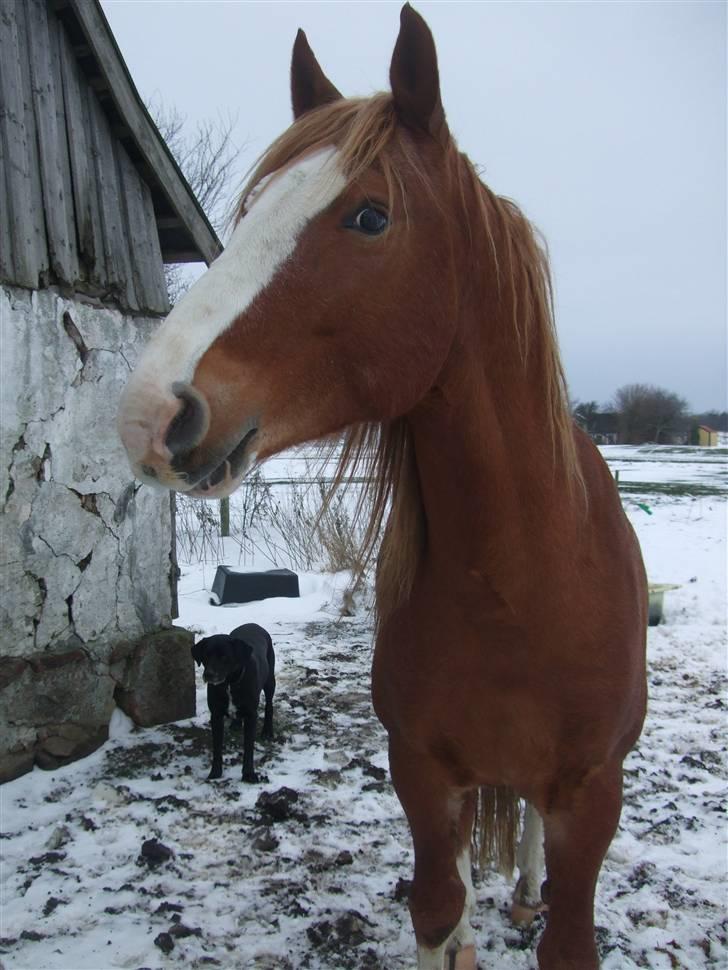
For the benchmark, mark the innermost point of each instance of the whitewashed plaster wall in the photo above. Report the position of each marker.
(84, 549)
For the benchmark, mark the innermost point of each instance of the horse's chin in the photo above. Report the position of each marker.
(226, 476)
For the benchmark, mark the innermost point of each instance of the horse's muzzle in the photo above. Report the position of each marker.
(164, 436)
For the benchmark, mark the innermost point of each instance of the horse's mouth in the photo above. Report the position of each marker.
(225, 476)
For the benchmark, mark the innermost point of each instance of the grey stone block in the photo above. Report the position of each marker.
(159, 679)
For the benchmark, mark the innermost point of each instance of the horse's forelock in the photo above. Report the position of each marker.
(363, 130)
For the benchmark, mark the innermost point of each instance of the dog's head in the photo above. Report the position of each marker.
(218, 656)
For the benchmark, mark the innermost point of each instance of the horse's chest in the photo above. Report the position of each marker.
(478, 694)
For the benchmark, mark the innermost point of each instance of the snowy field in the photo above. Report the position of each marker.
(316, 878)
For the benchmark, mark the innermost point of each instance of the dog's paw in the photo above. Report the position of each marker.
(251, 777)
(214, 773)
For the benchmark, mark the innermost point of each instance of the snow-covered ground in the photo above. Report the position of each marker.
(323, 884)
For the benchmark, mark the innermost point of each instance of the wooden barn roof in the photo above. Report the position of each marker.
(185, 233)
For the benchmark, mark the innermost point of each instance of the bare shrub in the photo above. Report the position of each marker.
(198, 531)
(294, 524)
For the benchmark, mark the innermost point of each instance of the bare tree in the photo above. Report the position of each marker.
(207, 156)
(649, 413)
(585, 413)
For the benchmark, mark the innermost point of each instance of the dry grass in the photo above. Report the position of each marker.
(293, 525)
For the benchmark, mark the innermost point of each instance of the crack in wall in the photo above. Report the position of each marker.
(43, 589)
(21, 445)
(69, 607)
(57, 555)
(75, 335)
(69, 599)
(39, 463)
(87, 500)
(18, 446)
(124, 500)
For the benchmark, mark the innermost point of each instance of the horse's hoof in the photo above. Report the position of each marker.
(523, 915)
(465, 959)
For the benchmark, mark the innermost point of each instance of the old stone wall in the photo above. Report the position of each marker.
(85, 570)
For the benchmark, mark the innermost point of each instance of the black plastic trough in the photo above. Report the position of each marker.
(232, 586)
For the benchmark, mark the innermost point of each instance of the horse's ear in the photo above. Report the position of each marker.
(414, 77)
(310, 88)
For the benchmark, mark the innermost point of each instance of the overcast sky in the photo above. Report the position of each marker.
(605, 121)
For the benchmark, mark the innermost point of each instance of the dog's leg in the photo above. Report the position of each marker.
(249, 722)
(217, 723)
(269, 690)
(217, 701)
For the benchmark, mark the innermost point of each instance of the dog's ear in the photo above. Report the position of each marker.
(197, 652)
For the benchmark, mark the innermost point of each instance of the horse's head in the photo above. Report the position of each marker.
(333, 302)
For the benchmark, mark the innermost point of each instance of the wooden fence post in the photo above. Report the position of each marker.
(224, 517)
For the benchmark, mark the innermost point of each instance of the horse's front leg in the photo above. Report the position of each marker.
(578, 830)
(441, 897)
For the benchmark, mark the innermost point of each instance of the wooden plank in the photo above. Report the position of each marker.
(116, 252)
(23, 224)
(161, 296)
(6, 247)
(144, 254)
(144, 132)
(88, 225)
(56, 32)
(52, 146)
(98, 273)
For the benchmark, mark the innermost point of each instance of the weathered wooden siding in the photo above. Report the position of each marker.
(73, 208)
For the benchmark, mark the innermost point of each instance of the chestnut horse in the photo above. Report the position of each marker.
(373, 286)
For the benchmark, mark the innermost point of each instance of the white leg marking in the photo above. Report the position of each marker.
(431, 959)
(463, 934)
(530, 859)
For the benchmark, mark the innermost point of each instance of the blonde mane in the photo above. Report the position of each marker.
(364, 131)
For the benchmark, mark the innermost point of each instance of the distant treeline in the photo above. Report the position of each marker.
(642, 413)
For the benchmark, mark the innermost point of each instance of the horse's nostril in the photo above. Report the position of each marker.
(190, 425)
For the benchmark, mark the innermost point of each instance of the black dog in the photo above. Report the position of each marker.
(240, 666)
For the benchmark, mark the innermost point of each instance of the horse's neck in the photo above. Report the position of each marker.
(493, 501)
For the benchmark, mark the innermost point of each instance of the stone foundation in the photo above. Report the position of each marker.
(57, 707)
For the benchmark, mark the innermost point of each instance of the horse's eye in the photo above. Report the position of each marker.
(370, 221)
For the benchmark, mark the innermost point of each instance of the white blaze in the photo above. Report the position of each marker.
(263, 240)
